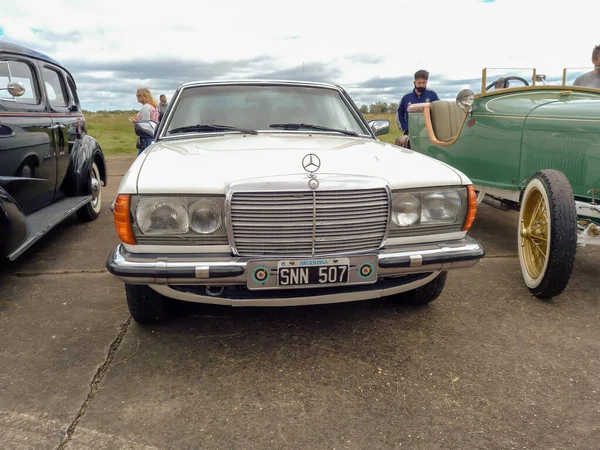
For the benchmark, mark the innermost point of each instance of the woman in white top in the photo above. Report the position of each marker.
(148, 111)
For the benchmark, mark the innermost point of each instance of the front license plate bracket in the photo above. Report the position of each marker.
(309, 273)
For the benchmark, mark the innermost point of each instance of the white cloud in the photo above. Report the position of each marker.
(453, 39)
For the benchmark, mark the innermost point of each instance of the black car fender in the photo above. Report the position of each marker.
(13, 228)
(84, 153)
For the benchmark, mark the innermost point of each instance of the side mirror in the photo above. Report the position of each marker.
(146, 128)
(15, 89)
(379, 127)
(465, 99)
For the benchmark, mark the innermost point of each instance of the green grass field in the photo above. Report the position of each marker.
(394, 130)
(115, 132)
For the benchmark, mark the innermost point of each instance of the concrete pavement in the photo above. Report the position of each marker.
(485, 366)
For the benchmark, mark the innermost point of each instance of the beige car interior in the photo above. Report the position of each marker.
(444, 120)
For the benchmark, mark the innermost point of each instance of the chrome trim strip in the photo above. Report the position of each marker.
(388, 227)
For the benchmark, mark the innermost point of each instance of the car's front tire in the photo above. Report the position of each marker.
(91, 211)
(425, 294)
(547, 233)
(146, 306)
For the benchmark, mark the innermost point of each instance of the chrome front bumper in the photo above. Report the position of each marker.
(226, 270)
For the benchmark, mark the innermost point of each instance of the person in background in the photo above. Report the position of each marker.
(501, 83)
(419, 94)
(591, 78)
(148, 111)
(162, 106)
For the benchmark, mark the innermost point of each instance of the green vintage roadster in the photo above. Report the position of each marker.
(531, 147)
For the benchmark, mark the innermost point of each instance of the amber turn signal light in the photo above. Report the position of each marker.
(472, 202)
(121, 219)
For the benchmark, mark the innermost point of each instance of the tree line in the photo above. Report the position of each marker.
(373, 108)
(379, 108)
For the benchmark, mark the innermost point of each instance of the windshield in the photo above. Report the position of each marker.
(494, 79)
(256, 107)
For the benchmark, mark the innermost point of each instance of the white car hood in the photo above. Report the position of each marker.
(209, 164)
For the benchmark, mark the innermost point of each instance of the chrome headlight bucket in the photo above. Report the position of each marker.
(442, 209)
(183, 219)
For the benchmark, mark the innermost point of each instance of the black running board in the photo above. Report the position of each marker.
(42, 221)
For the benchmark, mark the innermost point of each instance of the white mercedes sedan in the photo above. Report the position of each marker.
(277, 193)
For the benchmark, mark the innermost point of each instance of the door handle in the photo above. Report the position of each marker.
(53, 127)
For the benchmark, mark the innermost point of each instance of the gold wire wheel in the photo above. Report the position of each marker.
(535, 232)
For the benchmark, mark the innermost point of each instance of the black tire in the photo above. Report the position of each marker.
(425, 294)
(146, 306)
(91, 211)
(547, 254)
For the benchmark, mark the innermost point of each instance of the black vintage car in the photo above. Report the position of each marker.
(50, 167)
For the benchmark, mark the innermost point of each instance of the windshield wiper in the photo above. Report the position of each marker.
(210, 127)
(297, 126)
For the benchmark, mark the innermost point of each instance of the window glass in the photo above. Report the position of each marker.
(17, 71)
(257, 107)
(73, 91)
(55, 87)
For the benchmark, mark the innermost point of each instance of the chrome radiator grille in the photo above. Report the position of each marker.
(307, 223)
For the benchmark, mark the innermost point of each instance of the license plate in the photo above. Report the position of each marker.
(309, 273)
(312, 272)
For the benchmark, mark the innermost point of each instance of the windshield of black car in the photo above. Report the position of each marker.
(256, 107)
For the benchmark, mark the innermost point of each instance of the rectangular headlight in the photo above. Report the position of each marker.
(432, 209)
(192, 220)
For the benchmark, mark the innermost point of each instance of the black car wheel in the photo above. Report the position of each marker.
(547, 233)
(91, 211)
(146, 305)
(426, 293)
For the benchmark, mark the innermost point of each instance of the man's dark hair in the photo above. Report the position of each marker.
(596, 52)
(421, 74)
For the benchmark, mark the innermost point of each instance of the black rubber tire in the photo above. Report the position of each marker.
(91, 211)
(146, 306)
(425, 294)
(560, 202)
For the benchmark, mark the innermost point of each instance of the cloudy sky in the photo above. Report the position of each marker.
(373, 49)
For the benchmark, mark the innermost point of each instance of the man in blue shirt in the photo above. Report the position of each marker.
(420, 94)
